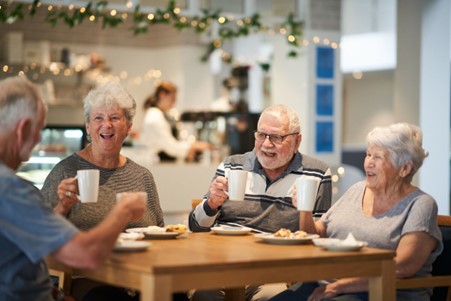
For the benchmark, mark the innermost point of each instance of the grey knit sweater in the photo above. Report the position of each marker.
(129, 177)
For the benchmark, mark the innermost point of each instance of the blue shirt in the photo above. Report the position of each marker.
(29, 231)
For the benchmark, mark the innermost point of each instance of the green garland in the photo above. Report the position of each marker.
(10, 12)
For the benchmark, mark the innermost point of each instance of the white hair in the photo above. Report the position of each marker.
(284, 111)
(19, 98)
(404, 143)
(110, 94)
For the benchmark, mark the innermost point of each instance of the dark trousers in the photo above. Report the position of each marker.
(306, 289)
(112, 293)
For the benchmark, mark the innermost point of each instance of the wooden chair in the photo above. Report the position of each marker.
(441, 269)
(60, 275)
(195, 202)
(61, 279)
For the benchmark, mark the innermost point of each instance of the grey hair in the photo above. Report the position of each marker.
(404, 143)
(284, 111)
(108, 95)
(19, 98)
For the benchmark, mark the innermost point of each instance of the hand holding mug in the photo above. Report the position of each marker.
(217, 192)
(67, 192)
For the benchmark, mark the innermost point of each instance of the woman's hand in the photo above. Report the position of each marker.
(217, 192)
(67, 192)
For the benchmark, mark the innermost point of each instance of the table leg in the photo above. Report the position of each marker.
(235, 294)
(153, 289)
(383, 287)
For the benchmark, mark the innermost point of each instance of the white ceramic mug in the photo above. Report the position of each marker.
(306, 189)
(237, 180)
(142, 195)
(88, 185)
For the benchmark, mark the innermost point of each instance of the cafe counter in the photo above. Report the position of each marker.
(177, 183)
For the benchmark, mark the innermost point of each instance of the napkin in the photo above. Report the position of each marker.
(350, 239)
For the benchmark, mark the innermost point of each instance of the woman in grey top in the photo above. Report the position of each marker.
(108, 112)
(387, 211)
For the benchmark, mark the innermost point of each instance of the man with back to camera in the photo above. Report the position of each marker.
(273, 166)
(30, 230)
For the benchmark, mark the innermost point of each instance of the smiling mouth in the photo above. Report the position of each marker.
(269, 154)
(106, 136)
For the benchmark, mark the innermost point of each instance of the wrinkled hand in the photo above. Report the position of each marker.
(322, 292)
(134, 203)
(217, 194)
(67, 192)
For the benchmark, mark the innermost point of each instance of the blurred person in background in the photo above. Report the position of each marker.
(30, 230)
(387, 212)
(159, 132)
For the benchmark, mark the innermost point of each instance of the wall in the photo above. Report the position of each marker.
(367, 102)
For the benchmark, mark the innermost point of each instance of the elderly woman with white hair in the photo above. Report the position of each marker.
(387, 211)
(108, 112)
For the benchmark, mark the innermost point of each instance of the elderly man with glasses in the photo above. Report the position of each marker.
(273, 166)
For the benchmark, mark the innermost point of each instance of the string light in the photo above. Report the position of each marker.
(36, 73)
(96, 11)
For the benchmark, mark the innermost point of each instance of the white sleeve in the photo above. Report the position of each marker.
(156, 134)
(201, 216)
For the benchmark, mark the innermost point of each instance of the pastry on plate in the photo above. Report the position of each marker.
(179, 228)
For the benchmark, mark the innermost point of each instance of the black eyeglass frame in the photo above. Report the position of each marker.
(272, 136)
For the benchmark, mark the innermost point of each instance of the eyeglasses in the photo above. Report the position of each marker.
(274, 138)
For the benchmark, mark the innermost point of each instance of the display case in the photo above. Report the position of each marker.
(57, 142)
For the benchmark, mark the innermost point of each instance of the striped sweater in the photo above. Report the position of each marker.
(267, 206)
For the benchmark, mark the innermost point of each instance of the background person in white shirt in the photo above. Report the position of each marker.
(159, 133)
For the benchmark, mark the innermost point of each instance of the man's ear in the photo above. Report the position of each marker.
(298, 142)
(24, 130)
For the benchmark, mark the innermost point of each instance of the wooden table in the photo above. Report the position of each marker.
(207, 261)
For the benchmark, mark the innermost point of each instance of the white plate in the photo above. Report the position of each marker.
(227, 230)
(131, 245)
(320, 242)
(276, 240)
(161, 235)
(333, 244)
(150, 229)
(131, 236)
(154, 233)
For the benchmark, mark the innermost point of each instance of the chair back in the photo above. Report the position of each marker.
(195, 202)
(440, 280)
(442, 265)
